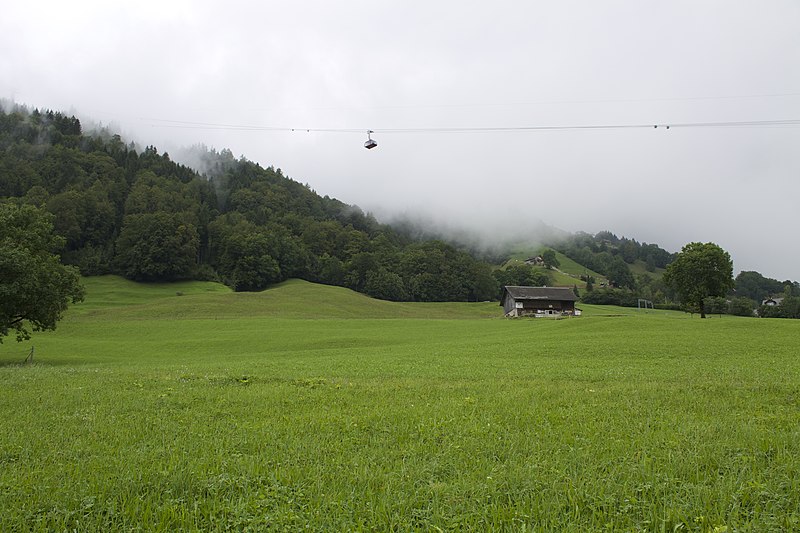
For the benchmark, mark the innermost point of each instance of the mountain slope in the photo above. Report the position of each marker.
(139, 214)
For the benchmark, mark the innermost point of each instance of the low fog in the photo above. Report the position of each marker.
(242, 76)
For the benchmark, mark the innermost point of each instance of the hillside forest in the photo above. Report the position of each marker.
(135, 212)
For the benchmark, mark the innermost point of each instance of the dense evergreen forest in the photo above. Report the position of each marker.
(137, 213)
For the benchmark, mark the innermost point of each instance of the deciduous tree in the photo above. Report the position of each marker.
(35, 288)
(700, 270)
(550, 259)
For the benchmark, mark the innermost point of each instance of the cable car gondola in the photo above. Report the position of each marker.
(370, 144)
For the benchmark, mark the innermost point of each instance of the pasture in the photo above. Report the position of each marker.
(312, 407)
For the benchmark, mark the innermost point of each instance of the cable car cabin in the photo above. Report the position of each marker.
(370, 144)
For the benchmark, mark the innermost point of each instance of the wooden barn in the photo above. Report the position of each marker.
(539, 301)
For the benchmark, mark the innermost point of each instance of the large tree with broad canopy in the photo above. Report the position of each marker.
(700, 270)
(35, 288)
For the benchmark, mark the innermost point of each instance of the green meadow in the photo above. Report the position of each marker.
(187, 407)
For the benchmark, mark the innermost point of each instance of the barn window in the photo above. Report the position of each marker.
(518, 305)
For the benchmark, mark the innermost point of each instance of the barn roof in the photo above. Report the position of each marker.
(564, 294)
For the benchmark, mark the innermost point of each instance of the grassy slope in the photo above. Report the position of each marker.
(114, 291)
(570, 271)
(524, 250)
(291, 299)
(640, 267)
(569, 266)
(618, 420)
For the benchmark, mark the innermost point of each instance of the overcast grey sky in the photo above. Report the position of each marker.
(150, 67)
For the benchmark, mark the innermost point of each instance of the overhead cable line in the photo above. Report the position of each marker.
(666, 125)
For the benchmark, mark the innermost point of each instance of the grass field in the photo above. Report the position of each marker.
(311, 407)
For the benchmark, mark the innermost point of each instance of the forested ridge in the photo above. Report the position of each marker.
(140, 214)
(136, 212)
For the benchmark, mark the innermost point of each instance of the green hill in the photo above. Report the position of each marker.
(110, 291)
(114, 298)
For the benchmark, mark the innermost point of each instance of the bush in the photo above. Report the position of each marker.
(90, 260)
(741, 306)
(715, 305)
(607, 296)
(770, 311)
(205, 273)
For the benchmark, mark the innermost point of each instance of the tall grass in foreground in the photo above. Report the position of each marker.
(248, 423)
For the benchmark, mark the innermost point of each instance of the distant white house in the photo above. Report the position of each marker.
(772, 301)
